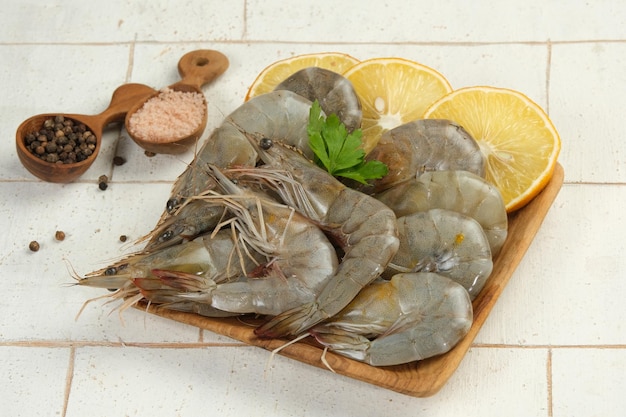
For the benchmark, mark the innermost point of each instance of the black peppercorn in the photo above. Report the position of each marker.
(118, 160)
(58, 142)
(51, 147)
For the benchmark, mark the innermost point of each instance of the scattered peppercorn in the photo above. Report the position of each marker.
(61, 141)
(118, 160)
(103, 182)
(149, 154)
(34, 246)
(59, 235)
(123, 238)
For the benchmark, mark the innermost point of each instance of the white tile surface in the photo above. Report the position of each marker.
(554, 344)
(447, 21)
(589, 382)
(582, 104)
(33, 380)
(107, 21)
(182, 380)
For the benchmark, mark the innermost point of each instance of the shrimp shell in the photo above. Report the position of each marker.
(281, 115)
(333, 91)
(210, 256)
(445, 242)
(425, 145)
(300, 259)
(411, 317)
(460, 191)
(362, 226)
(286, 261)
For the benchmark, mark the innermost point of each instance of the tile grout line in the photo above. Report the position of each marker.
(131, 59)
(550, 346)
(148, 345)
(548, 72)
(309, 42)
(549, 383)
(68, 380)
(244, 32)
(128, 77)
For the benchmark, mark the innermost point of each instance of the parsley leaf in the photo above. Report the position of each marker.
(338, 151)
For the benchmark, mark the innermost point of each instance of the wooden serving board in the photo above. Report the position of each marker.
(418, 379)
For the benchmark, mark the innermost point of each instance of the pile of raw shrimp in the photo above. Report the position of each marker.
(383, 273)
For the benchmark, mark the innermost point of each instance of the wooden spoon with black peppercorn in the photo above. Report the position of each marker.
(196, 69)
(36, 157)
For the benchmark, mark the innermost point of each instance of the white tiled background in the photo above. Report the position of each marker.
(555, 344)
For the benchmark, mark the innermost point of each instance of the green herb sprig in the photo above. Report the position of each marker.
(338, 151)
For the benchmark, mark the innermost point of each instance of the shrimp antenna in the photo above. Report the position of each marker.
(116, 295)
(325, 361)
(70, 269)
(289, 219)
(146, 311)
(89, 302)
(290, 191)
(128, 302)
(281, 347)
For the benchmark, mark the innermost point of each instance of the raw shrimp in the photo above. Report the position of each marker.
(425, 145)
(209, 259)
(445, 242)
(411, 317)
(297, 260)
(211, 256)
(333, 91)
(460, 191)
(283, 115)
(363, 227)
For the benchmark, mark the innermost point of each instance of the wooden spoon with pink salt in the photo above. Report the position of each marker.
(172, 119)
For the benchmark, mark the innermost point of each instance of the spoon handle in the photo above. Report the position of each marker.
(124, 98)
(200, 67)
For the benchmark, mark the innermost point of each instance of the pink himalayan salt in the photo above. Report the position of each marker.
(168, 116)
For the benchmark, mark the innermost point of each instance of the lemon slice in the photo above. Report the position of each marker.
(517, 137)
(393, 91)
(277, 72)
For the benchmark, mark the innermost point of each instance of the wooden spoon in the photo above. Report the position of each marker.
(124, 97)
(196, 69)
